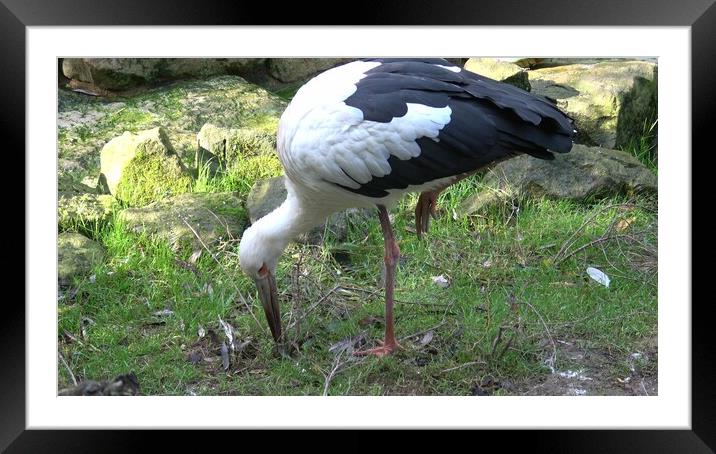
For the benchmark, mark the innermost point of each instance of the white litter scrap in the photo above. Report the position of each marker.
(441, 281)
(599, 276)
(579, 375)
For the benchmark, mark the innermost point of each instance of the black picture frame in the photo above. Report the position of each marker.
(16, 15)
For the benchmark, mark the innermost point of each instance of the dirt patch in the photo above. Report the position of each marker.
(583, 371)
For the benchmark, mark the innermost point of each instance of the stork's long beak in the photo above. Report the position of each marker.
(268, 294)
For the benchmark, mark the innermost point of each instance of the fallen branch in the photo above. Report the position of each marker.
(72, 376)
(471, 363)
(313, 306)
(552, 360)
(572, 238)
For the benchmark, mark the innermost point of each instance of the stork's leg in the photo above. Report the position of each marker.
(392, 255)
(424, 210)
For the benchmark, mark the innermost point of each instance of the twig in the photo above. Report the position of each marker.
(552, 360)
(314, 305)
(72, 376)
(419, 333)
(572, 238)
(471, 363)
(644, 387)
(336, 367)
(590, 244)
(223, 222)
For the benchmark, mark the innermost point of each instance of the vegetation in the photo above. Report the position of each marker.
(519, 310)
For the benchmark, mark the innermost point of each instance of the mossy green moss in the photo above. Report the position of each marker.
(77, 255)
(130, 118)
(84, 212)
(148, 178)
(141, 168)
(241, 176)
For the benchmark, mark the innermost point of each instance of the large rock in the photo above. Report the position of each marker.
(582, 174)
(77, 255)
(612, 102)
(83, 211)
(141, 168)
(499, 70)
(213, 216)
(549, 62)
(79, 207)
(266, 195)
(86, 124)
(228, 145)
(125, 73)
(298, 69)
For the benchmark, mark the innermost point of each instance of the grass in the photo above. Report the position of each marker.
(240, 177)
(519, 306)
(645, 147)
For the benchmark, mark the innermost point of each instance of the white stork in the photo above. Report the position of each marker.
(365, 133)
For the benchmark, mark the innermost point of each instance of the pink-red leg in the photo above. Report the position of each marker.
(424, 210)
(392, 255)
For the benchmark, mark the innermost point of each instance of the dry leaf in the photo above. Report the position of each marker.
(624, 224)
(195, 256)
(225, 356)
(427, 338)
(164, 313)
(195, 357)
(347, 345)
(228, 331)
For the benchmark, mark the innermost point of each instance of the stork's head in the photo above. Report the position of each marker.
(259, 254)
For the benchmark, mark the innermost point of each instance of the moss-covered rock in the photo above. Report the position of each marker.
(213, 216)
(497, 69)
(125, 73)
(228, 145)
(86, 123)
(67, 185)
(80, 207)
(83, 211)
(550, 62)
(141, 168)
(296, 69)
(265, 196)
(583, 174)
(77, 255)
(611, 101)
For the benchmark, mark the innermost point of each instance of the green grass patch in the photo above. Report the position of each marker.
(645, 147)
(240, 177)
(519, 304)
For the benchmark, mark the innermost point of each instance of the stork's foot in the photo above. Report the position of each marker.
(385, 349)
(424, 210)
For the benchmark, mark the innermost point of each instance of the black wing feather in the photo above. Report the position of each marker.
(490, 120)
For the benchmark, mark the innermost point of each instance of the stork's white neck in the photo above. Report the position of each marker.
(266, 239)
(290, 219)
